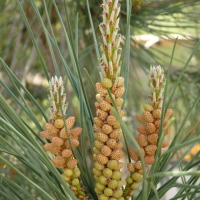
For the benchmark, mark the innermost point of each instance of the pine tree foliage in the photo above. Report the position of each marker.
(44, 39)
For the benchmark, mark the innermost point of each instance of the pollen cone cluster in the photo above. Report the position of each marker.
(108, 144)
(62, 140)
(148, 130)
(108, 136)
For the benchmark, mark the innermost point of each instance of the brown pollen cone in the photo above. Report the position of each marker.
(108, 144)
(148, 131)
(63, 139)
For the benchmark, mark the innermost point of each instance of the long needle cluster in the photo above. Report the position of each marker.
(63, 139)
(148, 131)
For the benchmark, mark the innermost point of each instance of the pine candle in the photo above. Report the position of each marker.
(108, 136)
(148, 131)
(62, 141)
